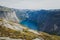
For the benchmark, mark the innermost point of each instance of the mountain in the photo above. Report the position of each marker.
(13, 24)
(42, 20)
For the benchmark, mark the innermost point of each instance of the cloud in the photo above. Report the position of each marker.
(31, 4)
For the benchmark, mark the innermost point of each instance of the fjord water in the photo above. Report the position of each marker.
(29, 24)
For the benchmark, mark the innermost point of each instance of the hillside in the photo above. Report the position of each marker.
(17, 31)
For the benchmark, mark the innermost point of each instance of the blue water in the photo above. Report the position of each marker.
(29, 24)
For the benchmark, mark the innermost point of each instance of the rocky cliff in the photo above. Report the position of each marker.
(8, 14)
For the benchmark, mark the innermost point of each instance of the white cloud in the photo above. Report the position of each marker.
(31, 4)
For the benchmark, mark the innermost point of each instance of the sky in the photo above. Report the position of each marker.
(31, 4)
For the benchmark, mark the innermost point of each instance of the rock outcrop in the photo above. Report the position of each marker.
(8, 14)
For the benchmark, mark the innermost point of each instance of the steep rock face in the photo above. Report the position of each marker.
(8, 14)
